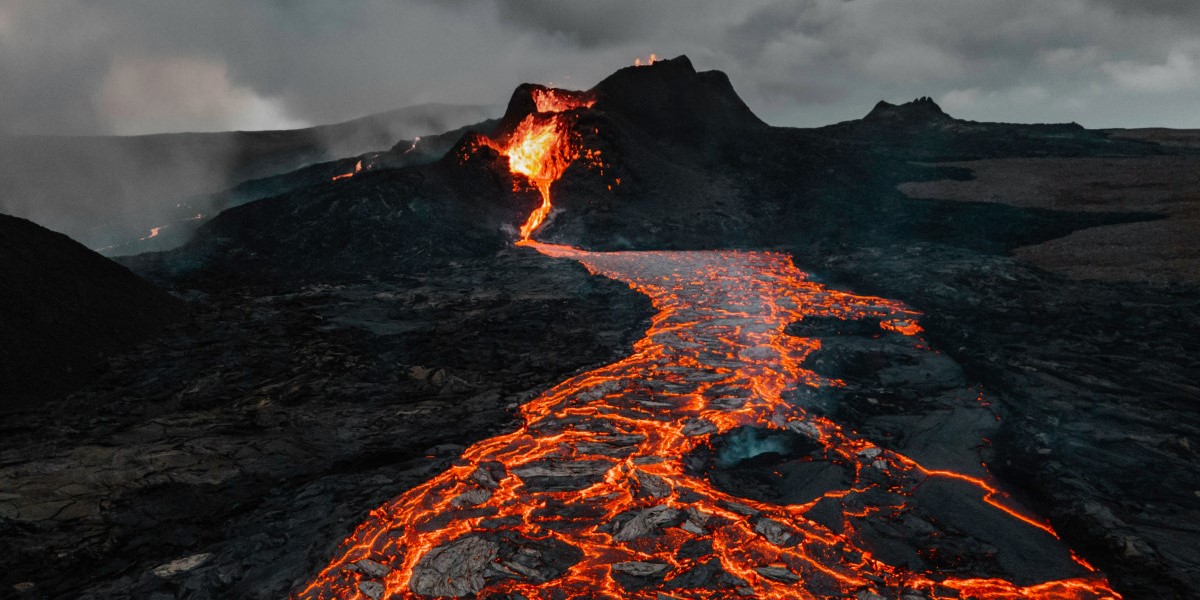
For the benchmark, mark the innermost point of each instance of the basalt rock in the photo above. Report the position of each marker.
(455, 569)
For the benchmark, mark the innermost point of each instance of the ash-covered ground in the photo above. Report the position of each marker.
(345, 340)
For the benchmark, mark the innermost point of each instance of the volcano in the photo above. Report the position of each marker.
(633, 342)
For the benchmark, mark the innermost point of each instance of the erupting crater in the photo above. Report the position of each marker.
(543, 145)
(591, 497)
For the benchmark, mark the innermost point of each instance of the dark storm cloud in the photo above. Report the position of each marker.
(143, 65)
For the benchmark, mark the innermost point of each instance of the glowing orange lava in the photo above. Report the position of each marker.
(637, 62)
(555, 100)
(542, 147)
(904, 326)
(357, 169)
(716, 357)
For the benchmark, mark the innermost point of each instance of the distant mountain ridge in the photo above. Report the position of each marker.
(923, 109)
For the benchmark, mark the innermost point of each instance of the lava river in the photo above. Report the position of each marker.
(592, 497)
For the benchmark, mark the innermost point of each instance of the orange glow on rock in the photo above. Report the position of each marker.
(357, 169)
(542, 147)
(540, 151)
(637, 62)
(902, 326)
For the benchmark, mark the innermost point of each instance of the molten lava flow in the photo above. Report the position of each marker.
(904, 326)
(357, 169)
(637, 62)
(592, 497)
(542, 146)
(556, 101)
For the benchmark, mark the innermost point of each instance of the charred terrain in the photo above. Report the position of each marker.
(906, 356)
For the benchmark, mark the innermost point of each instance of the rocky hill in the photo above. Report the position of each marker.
(63, 310)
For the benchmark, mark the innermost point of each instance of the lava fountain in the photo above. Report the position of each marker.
(542, 146)
(592, 497)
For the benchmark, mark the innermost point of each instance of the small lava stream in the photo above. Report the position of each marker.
(593, 496)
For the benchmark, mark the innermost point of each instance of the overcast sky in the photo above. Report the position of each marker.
(139, 66)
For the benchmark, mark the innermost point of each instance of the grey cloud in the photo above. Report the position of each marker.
(804, 62)
(47, 79)
(589, 24)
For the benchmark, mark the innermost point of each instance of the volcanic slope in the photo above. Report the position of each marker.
(111, 190)
(63, 308)
(374, 223)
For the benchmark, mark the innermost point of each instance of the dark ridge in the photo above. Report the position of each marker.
(920, 130)
(520, 104)
(667, 99)
(924, 112)
(402, 154)
(63, 308)
(671, 98)
(921, 110)
(377, 223)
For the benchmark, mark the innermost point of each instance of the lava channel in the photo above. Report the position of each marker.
(591, 497)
